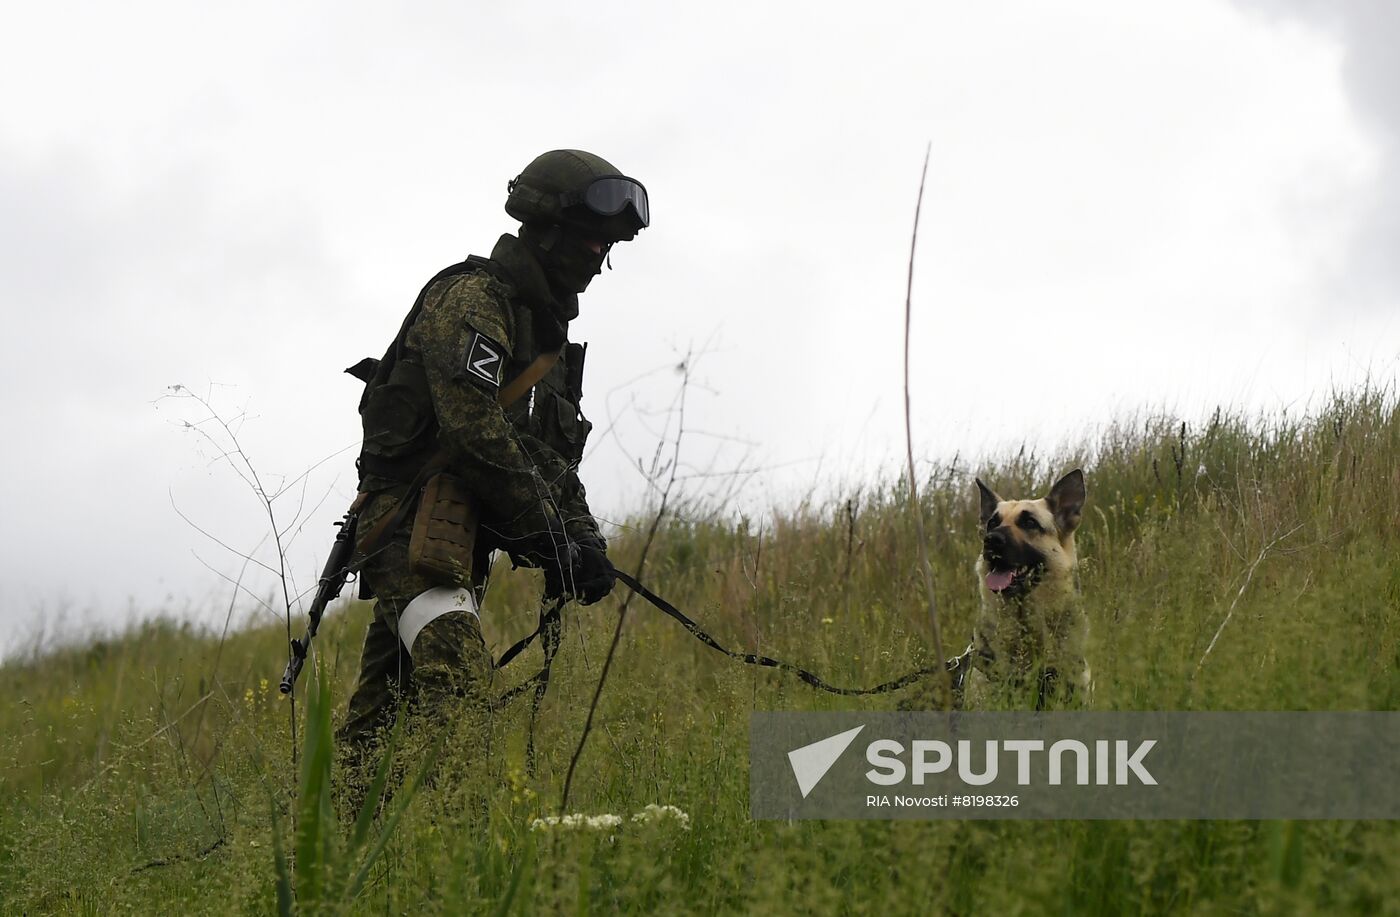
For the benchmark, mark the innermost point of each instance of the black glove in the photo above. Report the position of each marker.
(578, 568)
(593, 576)
(558, 566)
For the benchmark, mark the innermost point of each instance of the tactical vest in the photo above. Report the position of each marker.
(396, 408)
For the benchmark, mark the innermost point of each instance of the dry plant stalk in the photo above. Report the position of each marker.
(1248, 576)
(674, 464)
(945, 685)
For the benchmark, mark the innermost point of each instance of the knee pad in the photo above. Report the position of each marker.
(431, 605)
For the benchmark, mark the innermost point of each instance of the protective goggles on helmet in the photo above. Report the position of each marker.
(610, 196)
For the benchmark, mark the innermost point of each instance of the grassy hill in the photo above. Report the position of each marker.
(142, 774)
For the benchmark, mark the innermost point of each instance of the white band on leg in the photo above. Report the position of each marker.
(432, 604)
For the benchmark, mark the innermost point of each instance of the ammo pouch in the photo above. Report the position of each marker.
(444, 531)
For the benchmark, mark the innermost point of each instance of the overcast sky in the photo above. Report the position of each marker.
(1129, 207)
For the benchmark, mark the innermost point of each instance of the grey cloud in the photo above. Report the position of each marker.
(1369, 32)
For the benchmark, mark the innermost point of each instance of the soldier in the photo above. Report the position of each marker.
(478, 398)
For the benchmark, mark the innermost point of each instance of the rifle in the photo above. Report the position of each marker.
(338, 569)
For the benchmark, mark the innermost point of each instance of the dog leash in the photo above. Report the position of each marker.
(550, 624)
(672, 611)
(549, 621)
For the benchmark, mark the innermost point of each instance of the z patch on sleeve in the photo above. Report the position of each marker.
(485, 361)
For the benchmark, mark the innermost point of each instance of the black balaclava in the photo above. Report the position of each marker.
(552, 308)
(564, 253)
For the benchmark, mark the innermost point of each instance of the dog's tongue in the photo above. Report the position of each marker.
(998, 580)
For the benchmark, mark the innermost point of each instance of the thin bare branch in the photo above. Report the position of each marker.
(226, 546)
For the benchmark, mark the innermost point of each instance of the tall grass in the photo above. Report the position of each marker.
(134, 777)
(329, 867)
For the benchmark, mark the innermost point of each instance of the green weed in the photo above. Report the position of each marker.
(1243, 563)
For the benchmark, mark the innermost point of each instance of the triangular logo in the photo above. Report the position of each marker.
(811, 762)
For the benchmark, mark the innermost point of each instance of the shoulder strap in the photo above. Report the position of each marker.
(527, 379)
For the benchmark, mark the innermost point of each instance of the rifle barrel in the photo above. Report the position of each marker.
(327, 590)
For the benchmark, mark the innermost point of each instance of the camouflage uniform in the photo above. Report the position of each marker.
(520, 463)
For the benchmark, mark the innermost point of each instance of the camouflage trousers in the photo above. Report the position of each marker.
(450, 665)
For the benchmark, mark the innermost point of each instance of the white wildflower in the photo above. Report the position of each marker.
(655, 813)
(576, 820)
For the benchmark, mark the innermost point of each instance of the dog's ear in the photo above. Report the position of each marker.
(989, 501)
(1066, 501)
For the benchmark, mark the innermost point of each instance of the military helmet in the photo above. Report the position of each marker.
(571, 187)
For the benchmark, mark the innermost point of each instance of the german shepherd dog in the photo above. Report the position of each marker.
(1031, 631)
